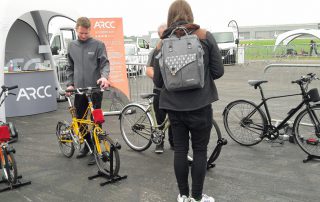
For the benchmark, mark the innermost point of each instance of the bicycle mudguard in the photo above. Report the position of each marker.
(231, 103)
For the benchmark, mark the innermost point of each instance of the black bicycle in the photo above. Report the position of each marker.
(247, 124)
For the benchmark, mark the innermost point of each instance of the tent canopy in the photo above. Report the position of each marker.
(13, 10)
(287, 37)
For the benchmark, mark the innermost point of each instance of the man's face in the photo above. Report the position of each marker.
(83, 33)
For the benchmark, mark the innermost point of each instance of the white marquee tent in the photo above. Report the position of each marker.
(287, 37)
(35, 14)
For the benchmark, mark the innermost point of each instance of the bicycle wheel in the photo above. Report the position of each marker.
(306, 130)
(244, 122)
(103, 159)
(10, 172)
(136, 127)
(63, 132)
(214, 145)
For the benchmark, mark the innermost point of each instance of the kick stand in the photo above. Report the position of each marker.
(309, 158)
(111, 177)
(14, 186)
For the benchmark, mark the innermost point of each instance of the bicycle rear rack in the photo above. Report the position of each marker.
(111, 178)
(14, 186)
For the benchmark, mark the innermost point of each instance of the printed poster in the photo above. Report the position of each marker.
(110, 31)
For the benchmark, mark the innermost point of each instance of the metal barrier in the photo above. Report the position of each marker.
(280, 84)
(290, 65)
(139, 84)
(61, 65)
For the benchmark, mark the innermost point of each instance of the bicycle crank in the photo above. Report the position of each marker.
(272, 133)
(157, 136)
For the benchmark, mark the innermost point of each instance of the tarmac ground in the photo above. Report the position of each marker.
(265, 172)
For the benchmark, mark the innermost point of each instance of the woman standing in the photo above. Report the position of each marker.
(190, 111)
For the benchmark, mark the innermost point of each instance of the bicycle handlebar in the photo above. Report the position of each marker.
(82, 90)
(306, 79)
(5, 88)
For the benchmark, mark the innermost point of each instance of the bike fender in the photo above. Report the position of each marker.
(231, 103)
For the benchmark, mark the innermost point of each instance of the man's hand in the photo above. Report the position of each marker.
(103, 82)
(69, 88)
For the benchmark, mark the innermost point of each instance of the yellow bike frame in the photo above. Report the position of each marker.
(81, 127)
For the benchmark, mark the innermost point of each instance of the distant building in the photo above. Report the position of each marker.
(271, 31)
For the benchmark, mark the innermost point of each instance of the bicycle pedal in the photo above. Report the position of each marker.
(117, 146)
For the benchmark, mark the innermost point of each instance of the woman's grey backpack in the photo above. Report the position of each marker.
(181, 62)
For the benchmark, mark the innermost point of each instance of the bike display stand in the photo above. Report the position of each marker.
(309, 158)
(111, 178)
(14, 186)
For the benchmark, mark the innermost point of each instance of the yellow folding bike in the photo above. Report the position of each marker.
(71, 135)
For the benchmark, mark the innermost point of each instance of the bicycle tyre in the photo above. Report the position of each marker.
(136, 127)
(304, 131)
(63, 132)
(213, 150)
(11, 170)
(245, 131)
(103, 159)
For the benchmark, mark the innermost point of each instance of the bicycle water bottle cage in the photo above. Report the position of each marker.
(256, 83)
(98, 116)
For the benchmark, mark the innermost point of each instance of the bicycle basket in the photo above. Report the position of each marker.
(314, 95)
(98, 116)
(4, 133)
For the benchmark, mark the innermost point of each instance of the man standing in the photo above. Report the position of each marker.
(313, 47)
(88, 67)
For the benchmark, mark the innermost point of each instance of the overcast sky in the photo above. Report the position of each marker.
(141, 16)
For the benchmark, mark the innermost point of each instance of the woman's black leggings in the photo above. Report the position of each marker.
(198, 123)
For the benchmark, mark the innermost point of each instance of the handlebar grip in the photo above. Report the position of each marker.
(12, 87)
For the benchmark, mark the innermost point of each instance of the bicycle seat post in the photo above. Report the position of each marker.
(261, 92)
(150, 101)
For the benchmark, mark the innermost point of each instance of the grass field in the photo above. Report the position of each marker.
(264, 49)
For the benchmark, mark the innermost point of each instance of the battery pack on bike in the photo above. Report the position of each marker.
(98, 116)
(4, 133)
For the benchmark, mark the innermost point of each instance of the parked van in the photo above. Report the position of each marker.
(59, 42)
(154, 39)
(227, 42)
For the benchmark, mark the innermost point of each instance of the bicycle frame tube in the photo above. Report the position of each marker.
(96, 130)
(1, 156)
(5, 159)
(76, 122)
(290, 113)
(165, 124)
(150, 110)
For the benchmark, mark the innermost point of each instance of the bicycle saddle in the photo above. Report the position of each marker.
(147, 95)
(256, 83)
